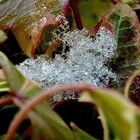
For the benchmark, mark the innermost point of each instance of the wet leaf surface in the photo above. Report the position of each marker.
(28, 19)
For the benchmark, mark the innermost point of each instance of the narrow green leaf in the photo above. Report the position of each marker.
(51, 126)
(17, 82)
(31, 91)
(119, 113)
(138, 123)
(14, 77)
(104, 124)
(80, 134)
(4, 86)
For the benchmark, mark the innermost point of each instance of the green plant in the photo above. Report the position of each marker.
(112, 106)
(30, 107)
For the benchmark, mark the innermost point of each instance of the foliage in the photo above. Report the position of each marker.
(35, 25)
(28, 19)
(114, 110)
(109, 103)
(126, 28)
(91, 17)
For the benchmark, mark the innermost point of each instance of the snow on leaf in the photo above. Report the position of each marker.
(28, 19)
(51, 44)
(86, 61)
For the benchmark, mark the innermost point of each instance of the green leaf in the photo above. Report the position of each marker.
(49, 125)
(126, 27)
(123, 22)
(16, 81)
(4, 86)
(3, 36)
(14, 77)
(2, 137)
(28, 19)
(95, 10)
(17, 137)
(138, 124)
(80, 134)
(119, 113)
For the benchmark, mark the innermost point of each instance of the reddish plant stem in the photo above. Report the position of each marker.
(6, 101)
(74, 5)
(66, 8)
(21, 115)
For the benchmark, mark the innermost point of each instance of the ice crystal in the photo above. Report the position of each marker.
(86, 61)
(58, 33)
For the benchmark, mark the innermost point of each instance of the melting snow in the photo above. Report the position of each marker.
(86, 61)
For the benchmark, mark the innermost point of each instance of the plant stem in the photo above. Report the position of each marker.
(21, 115)
(129, 82)
(74, 5)
(6, 101)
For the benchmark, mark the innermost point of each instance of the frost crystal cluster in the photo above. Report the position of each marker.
(86, 61)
